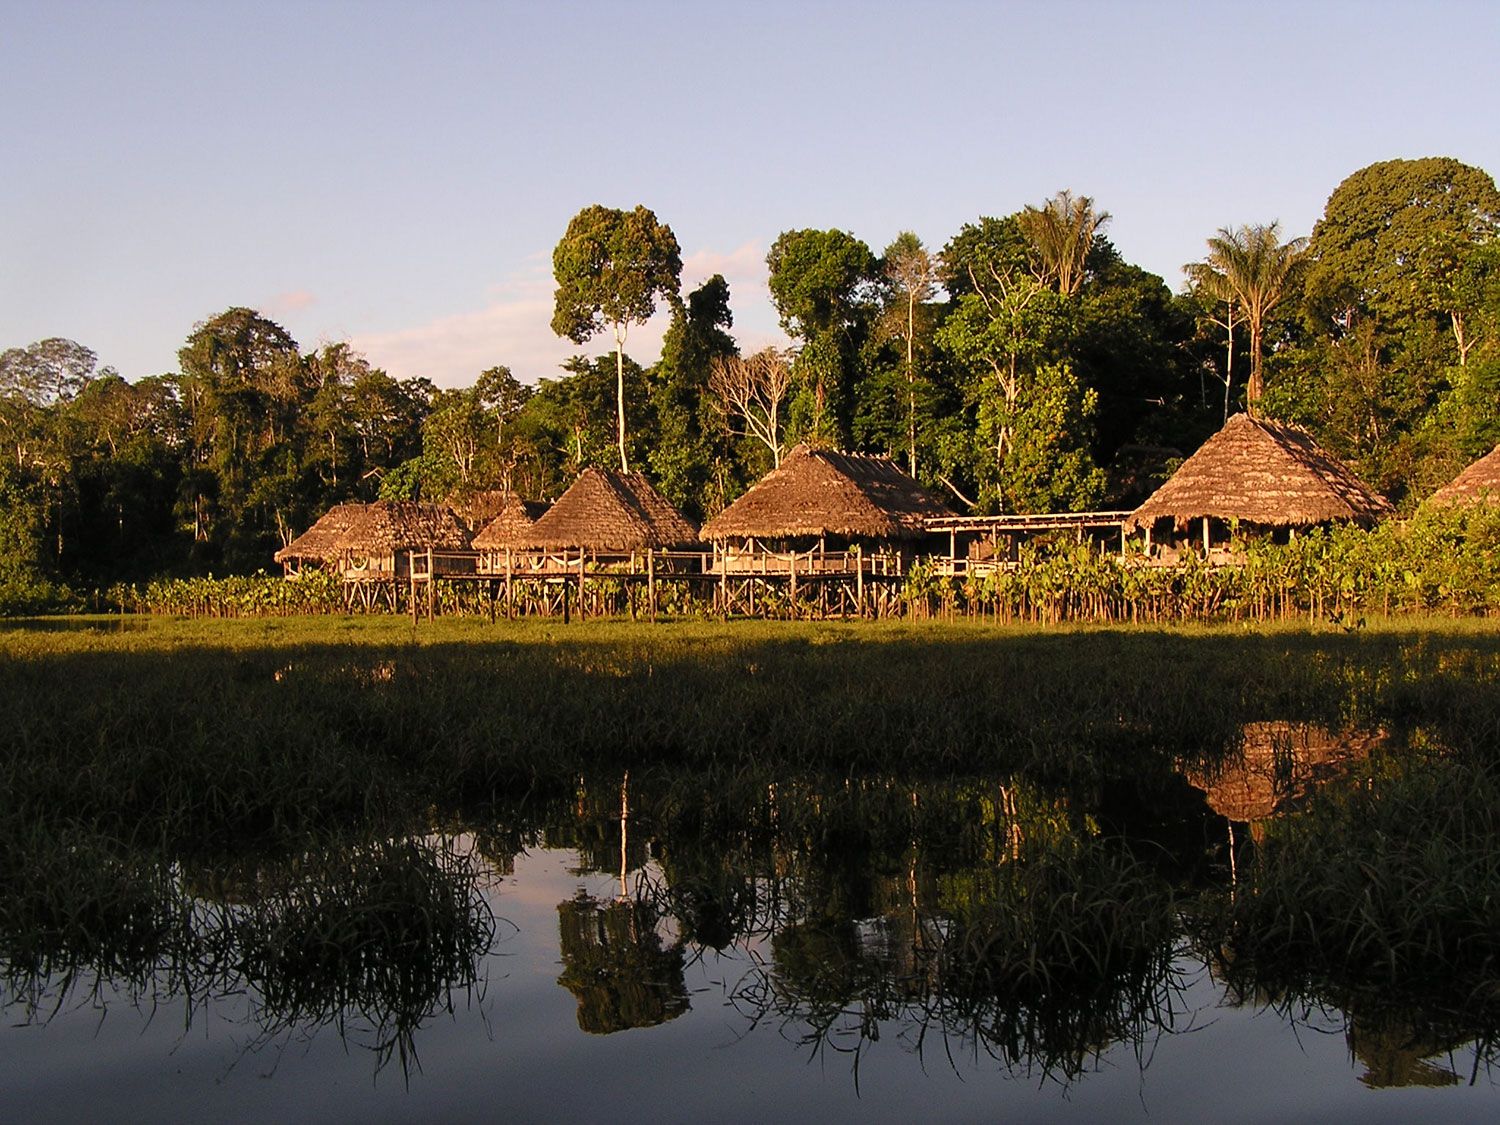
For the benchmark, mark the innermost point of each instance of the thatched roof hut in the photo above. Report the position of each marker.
(1282, 762)
(1263, 473)
(607, 510)
(321, 542)
(388, 526)
(509, 524)
(1478, 484)
(817, 492)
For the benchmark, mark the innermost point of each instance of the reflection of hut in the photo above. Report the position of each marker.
(1282, 762)
(1478, 484)
(1263, 474)
(507, 529)
(817, 499)
(393, 537)
(321, 544)
(610, 513)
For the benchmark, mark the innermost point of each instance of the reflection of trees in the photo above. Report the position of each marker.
(1046, 947)
(372, 937)
(616, 962)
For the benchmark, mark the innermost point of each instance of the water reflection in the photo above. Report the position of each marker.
(985, 922)
(372, 938)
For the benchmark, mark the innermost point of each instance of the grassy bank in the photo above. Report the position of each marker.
(210, 730)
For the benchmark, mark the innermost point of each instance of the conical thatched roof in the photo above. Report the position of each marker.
(820, 492)
(404, 525)
(1263, 473)
(321, 541)
(607, 510)
(510, 524)
(1478, 484)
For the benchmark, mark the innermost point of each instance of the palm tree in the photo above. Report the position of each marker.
(1251, 268)
(1061, 232)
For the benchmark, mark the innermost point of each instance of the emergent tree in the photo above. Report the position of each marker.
(611, 267)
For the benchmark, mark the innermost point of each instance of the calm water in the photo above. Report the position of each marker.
(626, 953)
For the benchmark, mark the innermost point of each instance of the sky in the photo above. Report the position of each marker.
(396, 175)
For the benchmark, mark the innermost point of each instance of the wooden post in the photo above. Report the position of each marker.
(582, 561)
(431, 586)
(510, 605)
(859, 581)
(1205, 537)
(722, 548)
(651, 581)
(411, 571)
(792, 572)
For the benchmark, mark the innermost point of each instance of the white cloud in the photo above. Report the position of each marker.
(514, 325)
(294, 300)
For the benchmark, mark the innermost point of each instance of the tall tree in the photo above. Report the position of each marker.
(1251, 267)
(911, 272)
(1061, 233)
(820, 281)
(611, 268)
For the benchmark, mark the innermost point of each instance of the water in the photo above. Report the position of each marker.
(638, 950)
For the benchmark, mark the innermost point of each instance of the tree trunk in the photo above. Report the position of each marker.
(911, 386)
(620, 391)
(1257, 378)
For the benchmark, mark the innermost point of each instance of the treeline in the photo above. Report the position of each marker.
(1023, 366)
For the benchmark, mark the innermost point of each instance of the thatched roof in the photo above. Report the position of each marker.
(387, 526)
(321, 541)
(1478, 484)
(1262, 473)
(607, 510)
(510, 522)
(820, 492)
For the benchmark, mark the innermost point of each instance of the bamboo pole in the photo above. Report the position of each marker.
(431, 587)
(510, 604)
(793, 573)
(651, 581)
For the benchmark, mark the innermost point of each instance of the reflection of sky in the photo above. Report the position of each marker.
(517, 1053)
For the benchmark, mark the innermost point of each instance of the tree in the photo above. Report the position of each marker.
(611, 267)
(1251, 267)
(753, 390)
(690, 437)
(1061, 233)
(820, 281)
(911, 271)
(1391, 237)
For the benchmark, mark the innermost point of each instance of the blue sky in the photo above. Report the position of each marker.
(396, 175)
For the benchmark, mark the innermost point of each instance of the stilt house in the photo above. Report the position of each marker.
(608, 516)
(1261, 474)
(321, 544)
(398, 538)
(505, 537)
(1478, 484)
(824, 511)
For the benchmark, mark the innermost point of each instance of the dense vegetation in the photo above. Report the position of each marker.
(1026, 366)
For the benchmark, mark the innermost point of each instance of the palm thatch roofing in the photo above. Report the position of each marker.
(1264, 473)
(608, 510)
(820, 492)
(1478, 484)
(388, 526)
(321, 542)
(509, 523)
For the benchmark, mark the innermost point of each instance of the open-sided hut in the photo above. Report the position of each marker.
(507, 531)
(608, 514)
(321, 544)
(819, 499)
(1264, 475)
(393, 538)
(1478, 484)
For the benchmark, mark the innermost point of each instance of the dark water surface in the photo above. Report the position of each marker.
(815, 950)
